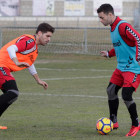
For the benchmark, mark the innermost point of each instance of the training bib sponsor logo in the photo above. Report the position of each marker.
(30, 41)
(117, 43)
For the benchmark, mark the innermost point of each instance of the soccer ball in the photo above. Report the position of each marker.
(104, 126)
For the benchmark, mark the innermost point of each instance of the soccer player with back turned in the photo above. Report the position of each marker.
(19, 54)
(126, 42)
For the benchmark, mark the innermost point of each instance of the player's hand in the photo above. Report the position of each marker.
(139, 63)
(22, 64)
(103, 53)
(44, 84)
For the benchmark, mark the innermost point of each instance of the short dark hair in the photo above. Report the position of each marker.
(105, 8)
(44, 28)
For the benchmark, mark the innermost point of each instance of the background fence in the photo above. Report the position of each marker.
(74, 34)
(65, 39)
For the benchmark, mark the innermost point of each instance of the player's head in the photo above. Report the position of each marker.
(106, 14)
(44, 32)
(106, 9)
(44, 28)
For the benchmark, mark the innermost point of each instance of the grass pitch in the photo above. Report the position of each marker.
(69, 109)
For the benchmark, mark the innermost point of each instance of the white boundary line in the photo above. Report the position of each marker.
(75, 78)
(66, 95)
(72, 69)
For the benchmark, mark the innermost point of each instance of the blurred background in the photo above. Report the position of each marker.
(78, 29)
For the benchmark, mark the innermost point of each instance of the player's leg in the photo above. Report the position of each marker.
(9, 89)
(115, 84)
(5, 106)
(130, 104)
(131, 82)
(113, 102)
(10, 95)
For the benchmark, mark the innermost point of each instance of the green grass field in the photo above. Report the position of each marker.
(69, 109)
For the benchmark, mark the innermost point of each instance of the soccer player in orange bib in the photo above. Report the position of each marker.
(19, 54)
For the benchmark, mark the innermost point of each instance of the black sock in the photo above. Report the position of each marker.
(113, 108)
(133, 113)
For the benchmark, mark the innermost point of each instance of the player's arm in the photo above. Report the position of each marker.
(12, 53)
(24, 43)
(33, 72)
(110, 53)
(132, 36)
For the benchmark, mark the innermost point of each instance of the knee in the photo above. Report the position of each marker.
(127, 93)
(16, 94)
(111, 91)
(127, 96)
